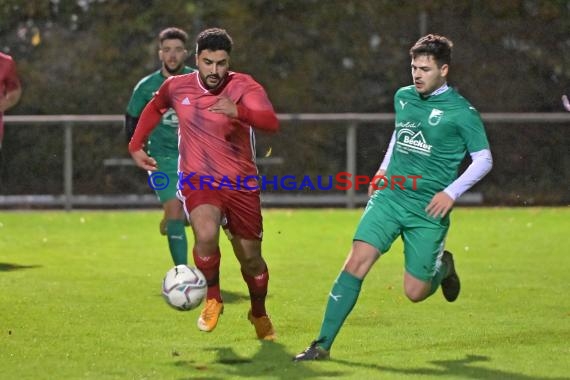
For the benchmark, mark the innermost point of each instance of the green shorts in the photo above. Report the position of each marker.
(169, 166)
(384, 220)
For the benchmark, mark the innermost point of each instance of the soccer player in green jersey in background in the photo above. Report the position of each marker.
(163, 143)
(435, 127)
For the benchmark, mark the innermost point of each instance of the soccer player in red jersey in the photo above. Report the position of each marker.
(10, 88)
(218, 111)
(10, 93)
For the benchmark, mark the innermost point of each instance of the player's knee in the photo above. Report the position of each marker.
(173, 209)
(415, 294)
(176, 214)
(205, 245)
(358, 266)
(253, 264)
(360, 259)
(206, 234)
(415, 298)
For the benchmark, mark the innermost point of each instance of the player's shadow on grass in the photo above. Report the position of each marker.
(228, 297)
(462, 368)
(9, 267)
(271, 360)
(234, 297)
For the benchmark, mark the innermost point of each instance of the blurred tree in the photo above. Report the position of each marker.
(314, 56)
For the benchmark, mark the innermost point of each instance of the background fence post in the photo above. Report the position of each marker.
(68, 165)
(351, 163)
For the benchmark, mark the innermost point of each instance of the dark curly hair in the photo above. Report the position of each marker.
(214, 39)
(435, 45)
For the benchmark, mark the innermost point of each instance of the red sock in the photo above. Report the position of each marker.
(257, 286)
(210, 266)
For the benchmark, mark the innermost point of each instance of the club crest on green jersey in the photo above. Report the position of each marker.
(435, 117)
(170, 118)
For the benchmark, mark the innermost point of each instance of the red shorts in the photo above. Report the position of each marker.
(242, 209)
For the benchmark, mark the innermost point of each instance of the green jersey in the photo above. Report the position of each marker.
(163, 142)
(432, 136)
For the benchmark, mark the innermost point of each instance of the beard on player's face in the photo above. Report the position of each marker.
(211, 80)
(173, 69)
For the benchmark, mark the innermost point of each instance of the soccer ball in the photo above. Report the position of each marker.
(184, 287)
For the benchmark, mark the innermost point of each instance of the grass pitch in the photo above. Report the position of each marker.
(80, 299)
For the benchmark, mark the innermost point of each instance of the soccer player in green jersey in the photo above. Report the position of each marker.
(163, 143)
(434, 129)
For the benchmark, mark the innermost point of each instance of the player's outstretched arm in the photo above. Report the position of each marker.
(143, 160)
(130, 126)
(442, 202)
(383, 166)
(148, 120)
(256, 109)
(264, 119)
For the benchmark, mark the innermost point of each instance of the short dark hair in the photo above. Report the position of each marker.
(214, 39)
(172, 33)
(435, 45)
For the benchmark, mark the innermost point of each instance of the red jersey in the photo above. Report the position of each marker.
(9, 81)
(211, 145)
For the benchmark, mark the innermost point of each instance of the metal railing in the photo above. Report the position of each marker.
(352, 120)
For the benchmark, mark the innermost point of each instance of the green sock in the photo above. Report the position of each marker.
(342, 299)
(439, 275)
(177, 241)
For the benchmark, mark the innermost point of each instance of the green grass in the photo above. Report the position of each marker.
(80, 299)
